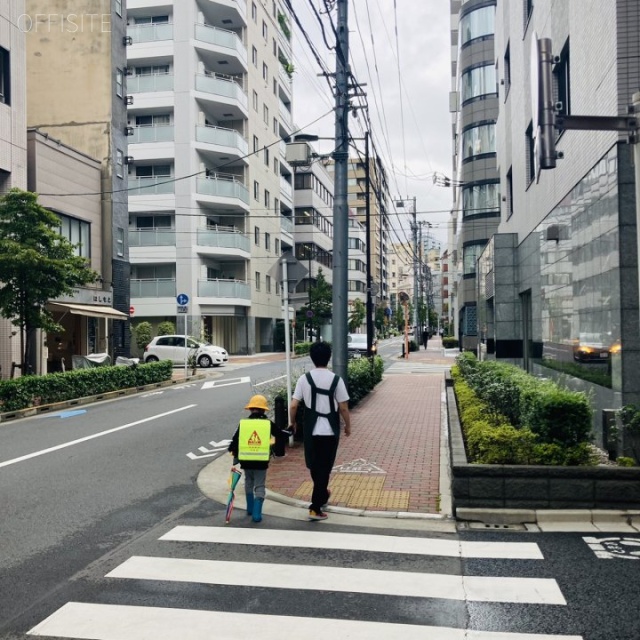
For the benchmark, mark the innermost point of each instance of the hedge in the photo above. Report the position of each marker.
(449, 343)
(30, 391)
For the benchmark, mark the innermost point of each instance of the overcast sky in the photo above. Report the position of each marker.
(410, 115)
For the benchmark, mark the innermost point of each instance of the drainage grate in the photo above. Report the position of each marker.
(484, 526)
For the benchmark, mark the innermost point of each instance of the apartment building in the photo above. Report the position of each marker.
(209, 93)
(75, 94)
(476, 184)
(559, 281)
(13, 139)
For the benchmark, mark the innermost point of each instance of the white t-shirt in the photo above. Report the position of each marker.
(323, 379)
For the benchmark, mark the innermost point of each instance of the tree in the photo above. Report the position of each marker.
(320, 304)
(37, 264)
(357, 315)
(166, 328)
(144, 334)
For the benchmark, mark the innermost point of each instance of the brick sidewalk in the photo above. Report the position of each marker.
(391, 462)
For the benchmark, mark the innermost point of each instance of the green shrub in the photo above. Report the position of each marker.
(302, 348)
(624, 461)
(166, 328)
(449, 343)
(363, 375)
(413, 346)
(143, 333)
(502, 444)
(29, 391)
(555, 454)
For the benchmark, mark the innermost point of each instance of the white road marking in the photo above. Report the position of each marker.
(122, 622)
(377, 543)
(153, 393)
(72, 443)
(371, 581)
(259, 384)
(195, 456)
(217, 384)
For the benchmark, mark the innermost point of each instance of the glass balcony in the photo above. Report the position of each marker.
(223, 137)
(221, 86)
(223, 238)
(286, 189)
(155, 185)
(285, 114)
(152, 238)
(286, 224)
(150, 32)
(223, 289)
(158, 133)
(221, 38)
(153, 82)
(224, 186)
(153, 288)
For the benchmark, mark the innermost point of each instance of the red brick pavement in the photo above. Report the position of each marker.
(391, 462)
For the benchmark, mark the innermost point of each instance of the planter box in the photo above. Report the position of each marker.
(536, 486)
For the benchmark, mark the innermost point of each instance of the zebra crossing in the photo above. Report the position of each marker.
(405, 367)
(324, 574)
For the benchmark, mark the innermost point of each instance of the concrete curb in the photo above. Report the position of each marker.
(212, 482)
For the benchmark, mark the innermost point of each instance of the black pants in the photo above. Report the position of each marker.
(323, 455)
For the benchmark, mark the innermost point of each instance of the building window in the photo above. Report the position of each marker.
(119, 83)
(120, 242)
(256, 144)
(275, 47)
(267, 283)
(254, 56)
(267, 200)
(265, 72)
(267, 241)
(480, 199)
(276, 166)
(561, 83)
(275, 87)
(256, 235)
(530, 148)
(254, 12)
(470, 254)
(265, 114)
(265, 30)
(507, 70)
(478, 141)
(78, 233)
(477, 24)
(509, 192)
(276, 126)
(477, 82)
(256, 190)
(257, 281)
(528, 10)
(266, 156)
(118, 7)
(119, 163)
(255, 100)
(276, 205)
(276, 246)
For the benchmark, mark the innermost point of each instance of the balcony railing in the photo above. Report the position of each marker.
(224, 239)
(286, 189)
(224, 289)
(156, 133)
(152, 82)
(150, 32)
(286, 224)
(224, 186)
(223, 137)
(221, 86)
(285, 114)
(152, 238)
(221, 38)
(153, 288)
(156, 185)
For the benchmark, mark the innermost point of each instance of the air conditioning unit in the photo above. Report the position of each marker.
(128, 100)
(129, 159)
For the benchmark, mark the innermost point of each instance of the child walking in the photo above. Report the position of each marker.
(251, 446)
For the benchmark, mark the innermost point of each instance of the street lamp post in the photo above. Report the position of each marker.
(414, 230)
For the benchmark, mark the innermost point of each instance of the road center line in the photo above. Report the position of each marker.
(64, 445)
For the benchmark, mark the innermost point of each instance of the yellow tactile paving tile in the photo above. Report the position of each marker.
(394, 500)
(304, 491)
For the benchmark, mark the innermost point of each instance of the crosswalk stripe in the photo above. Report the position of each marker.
(361, 542)
(123, 622)
(370, 581)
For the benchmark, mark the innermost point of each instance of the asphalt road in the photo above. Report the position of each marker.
(89, 491)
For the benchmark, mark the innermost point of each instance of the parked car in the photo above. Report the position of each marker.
(172, 348)
(357, 345)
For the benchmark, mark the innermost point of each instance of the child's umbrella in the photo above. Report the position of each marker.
(234, 478)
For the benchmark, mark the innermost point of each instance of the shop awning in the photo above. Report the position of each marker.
(91, 310)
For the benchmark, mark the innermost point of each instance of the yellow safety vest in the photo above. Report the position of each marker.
(254, 440)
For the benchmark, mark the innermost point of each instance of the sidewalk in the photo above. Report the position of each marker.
(391, 464)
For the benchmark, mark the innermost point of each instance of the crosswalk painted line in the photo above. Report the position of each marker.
(370, 581)
(229, 382)
(122, 622)
(349, 541)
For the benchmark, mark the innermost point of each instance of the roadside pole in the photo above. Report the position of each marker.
(287, 335)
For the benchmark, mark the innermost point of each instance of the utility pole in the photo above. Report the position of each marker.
(340, 202)
(414, 228)
(368, 236)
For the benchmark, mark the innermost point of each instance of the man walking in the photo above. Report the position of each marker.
(425, 338)
(326, 401)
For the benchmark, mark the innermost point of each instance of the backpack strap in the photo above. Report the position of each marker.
(315, 390)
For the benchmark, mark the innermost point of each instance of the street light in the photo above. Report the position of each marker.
(414, 230)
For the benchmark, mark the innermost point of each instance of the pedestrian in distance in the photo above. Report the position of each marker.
(325, 400)
(425, 338)
(251, 447)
